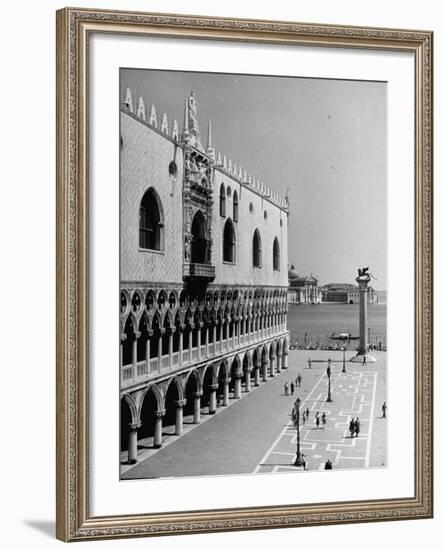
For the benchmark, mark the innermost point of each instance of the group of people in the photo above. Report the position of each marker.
(354, 427)
(296, 384)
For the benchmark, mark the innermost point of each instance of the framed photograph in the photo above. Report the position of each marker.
(244, 274)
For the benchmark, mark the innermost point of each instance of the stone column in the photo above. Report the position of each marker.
(197, 396)
(148, 352)
(265, 370)
(363, 356)
(179, 416)
(247, 381)
(132, 443)
(181, 346)
(221, 333)
(212, 407)
(226, 397)
(272, 362)
(285, 362)
(207, 333)
(199, 328)
(134, 353)
(170, 345)
(158, 429)
(278, 363)
(214, 337)
(257, 375)
(160, 350)
(190, 342)
(237, 386)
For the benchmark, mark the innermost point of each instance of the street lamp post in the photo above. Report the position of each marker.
(298, 461)
(329, 399)
(343, 359)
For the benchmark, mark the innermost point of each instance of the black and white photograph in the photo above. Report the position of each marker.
(253, 303)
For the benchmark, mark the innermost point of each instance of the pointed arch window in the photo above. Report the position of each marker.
(151, 225)
(229, 242)
(276, 255)
(257, 249)
(222, 201)
(235, 207)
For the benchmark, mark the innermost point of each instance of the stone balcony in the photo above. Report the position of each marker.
(199, 271)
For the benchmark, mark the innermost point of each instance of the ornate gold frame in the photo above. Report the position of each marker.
(73, 519)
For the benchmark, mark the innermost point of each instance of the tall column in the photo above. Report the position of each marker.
(179, 416)
(212, 405)
(207, 332)
(247, 381)
(363, 356)
(132, 443)
(158, 429)
(237, 386)
(221, 333)
(197, 396)
(226, 397)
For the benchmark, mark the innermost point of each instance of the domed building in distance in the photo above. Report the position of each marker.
(302, 289)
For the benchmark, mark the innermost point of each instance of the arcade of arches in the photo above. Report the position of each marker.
(186, 355)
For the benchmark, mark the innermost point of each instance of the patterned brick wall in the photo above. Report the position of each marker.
(145, 157)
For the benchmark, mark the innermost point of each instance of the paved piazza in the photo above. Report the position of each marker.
(255, 434)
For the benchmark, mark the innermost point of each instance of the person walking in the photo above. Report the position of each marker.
(292, 387)
(324, 420)
(299, 379)
(294, 418)
(364, 360)
(328, 465)
(357, 427)
(304, 463)
(303, 418)
(384, 409)
(307, 412)
(317, 420)
(351, 427)
(286, 388)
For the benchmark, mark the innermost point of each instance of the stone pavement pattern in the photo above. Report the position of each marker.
(255, 434)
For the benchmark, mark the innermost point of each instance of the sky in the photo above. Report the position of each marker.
(322, 140)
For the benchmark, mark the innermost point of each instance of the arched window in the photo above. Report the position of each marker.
(257, 249)
(199, 243)
(235, 207)
(222, 200)
(276, 255)
(229, 245)
(151, 221)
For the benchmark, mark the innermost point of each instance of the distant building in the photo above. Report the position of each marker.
(345, 293)
(302, 290)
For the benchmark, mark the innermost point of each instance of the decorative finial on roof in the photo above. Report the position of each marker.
(186, 132)
(210, 149)
(164, 124)
(141, 109)
(128, 100)
(175, 131)
(153, 116)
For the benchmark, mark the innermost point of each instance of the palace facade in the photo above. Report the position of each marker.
(203, 259)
